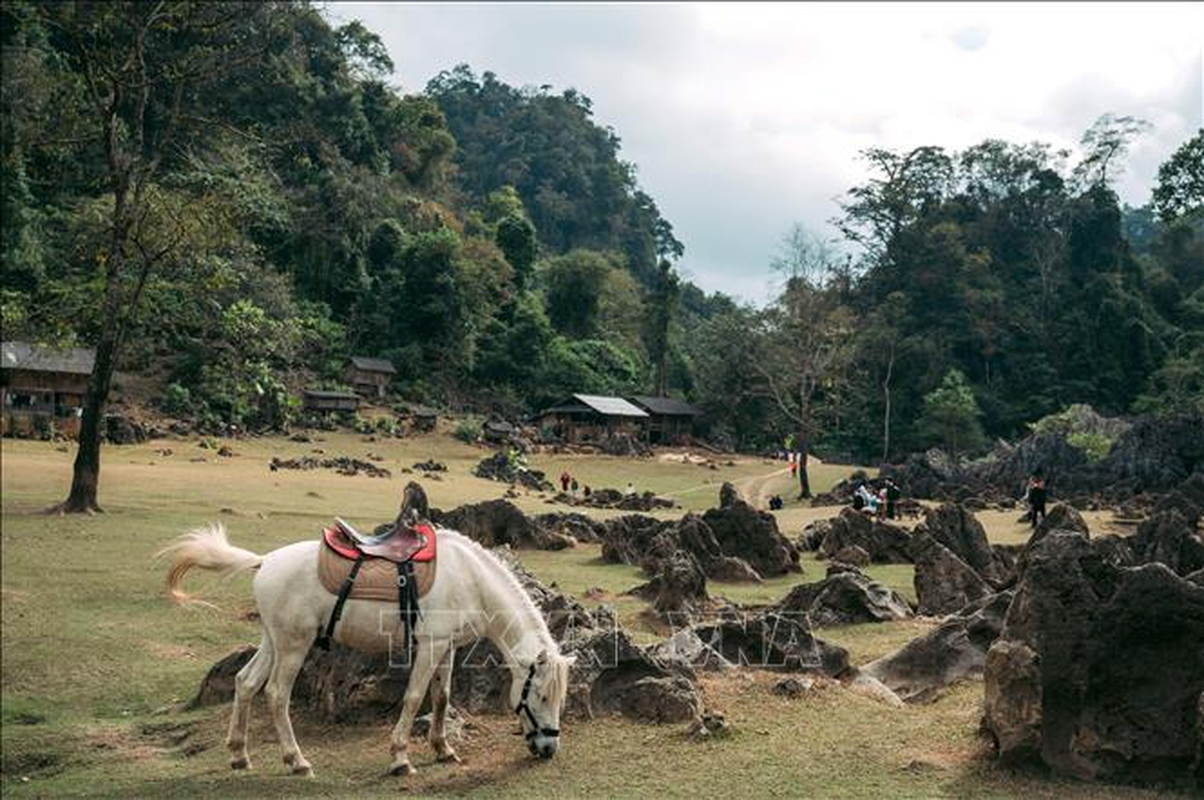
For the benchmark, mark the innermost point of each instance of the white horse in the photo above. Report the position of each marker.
(474, 595)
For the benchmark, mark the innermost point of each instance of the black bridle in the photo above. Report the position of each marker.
(522, 708)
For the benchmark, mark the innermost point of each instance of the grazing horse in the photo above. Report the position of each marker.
(474, 596)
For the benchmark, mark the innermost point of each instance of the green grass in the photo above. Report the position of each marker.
(95, 658)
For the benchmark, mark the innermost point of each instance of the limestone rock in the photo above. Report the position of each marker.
(955, 650)
(1098, 670)
(846, 598)
(944, 583)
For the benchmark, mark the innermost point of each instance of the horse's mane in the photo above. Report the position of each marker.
(512, 582)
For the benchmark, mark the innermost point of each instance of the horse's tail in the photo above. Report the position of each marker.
(207, 548)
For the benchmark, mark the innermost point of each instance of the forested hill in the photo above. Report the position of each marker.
(272, 205)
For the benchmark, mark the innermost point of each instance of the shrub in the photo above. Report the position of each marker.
(1095, 445)
(468, 429)
(177, 400)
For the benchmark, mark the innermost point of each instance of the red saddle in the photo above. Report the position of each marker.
(410, 544)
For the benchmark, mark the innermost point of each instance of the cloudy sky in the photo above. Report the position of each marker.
(744, 118)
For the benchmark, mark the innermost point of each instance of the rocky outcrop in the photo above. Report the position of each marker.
(500, 522)
(679, 586)
(341, 464)
(845, 598)
(1098, 670)
(744, 532)
(736, 531)
(1167, 538)
(883, 542)
(499, 467)
(578, 526)
(772, 640)
(1151, 455)
(628, 539)
(613, 498)
(956, 528)
(954, 650)
(729, 569)
(119, 429)
(612, 675)
(853, 556)
(944, 583)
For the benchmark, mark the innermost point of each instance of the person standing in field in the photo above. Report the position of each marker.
(564, 481)
(574, 486)
(1036, 496)
(892, 497)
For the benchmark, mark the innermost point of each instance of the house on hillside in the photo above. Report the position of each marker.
(420, 418)
(322, 401)
(670, 421)
(43, 383)
(370, 377)
(592, 418)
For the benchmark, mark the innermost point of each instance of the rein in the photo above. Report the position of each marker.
(522, 707)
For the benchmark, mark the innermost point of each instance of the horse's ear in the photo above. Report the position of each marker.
(569, 661)
(414, 505)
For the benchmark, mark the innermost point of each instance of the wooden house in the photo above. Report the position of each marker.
(321, 400)
(370, 377)
(43, 382)
(592, 418)
(420, 418)
(670, 421)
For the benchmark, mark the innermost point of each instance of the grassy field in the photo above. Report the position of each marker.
(95, 659)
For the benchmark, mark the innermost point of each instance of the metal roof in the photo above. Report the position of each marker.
(35, 358)
(606, 406)
(666, 406)
(373, 364)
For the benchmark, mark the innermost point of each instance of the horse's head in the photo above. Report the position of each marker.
(538, 699)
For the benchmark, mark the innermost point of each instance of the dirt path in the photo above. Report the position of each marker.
(756, 489)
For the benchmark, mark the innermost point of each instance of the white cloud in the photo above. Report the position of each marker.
(745, 117)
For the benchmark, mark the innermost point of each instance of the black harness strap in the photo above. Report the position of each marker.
(522, 708)
(324, 636)
(407, 601)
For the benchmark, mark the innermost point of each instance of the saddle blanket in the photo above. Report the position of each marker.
(377, 578)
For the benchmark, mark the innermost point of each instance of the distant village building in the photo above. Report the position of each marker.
(592, 418)
(421, 418)
(43, 382)
(670, 421)
(370, 377)
(321, 400)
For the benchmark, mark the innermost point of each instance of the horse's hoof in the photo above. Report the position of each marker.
(447, 756)
(402, 770)
(242, 762)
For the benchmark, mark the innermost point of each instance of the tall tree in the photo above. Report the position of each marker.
(804, 337)
(1180, 189)
(659, 309)
(142, 67)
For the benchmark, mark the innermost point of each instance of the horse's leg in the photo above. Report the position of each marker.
(290, 655)
(440, 691)
(247, 683)
(426, 657)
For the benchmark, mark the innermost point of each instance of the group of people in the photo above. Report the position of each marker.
(570, 485)
(879, 501)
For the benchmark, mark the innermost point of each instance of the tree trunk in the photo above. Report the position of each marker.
(85, 479)
(890, 367)
(804, 481)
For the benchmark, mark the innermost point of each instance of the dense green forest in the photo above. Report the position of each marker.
(249, 201)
